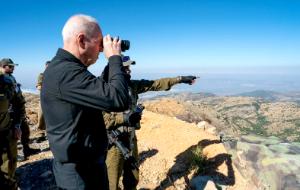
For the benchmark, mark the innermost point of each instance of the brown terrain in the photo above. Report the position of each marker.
(236, 116)
(169, 142)
(262, 134)
(168, 147)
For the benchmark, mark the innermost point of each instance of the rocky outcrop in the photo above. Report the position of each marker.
(269, 162)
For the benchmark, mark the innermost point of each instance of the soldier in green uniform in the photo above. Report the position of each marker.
(41, 121)
(8, 66)
(127, 122)
(10, 132)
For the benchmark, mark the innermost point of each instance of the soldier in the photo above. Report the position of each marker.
(41, 121)
(8, 66)
(127, 121)
(10, 132)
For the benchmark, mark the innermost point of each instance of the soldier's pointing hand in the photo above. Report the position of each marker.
(187, 79)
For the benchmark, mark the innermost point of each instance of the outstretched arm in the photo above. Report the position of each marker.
(141, 86)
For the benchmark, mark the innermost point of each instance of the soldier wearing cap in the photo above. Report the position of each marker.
(8, 66)
(41, 121)
(115, 161)
(10, 132)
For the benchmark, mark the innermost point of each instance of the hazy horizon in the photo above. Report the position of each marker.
(226, 82)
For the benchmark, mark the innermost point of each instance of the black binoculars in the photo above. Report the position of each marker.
(125, 44)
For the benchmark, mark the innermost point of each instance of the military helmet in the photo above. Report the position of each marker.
(7, 61)
(126, 61)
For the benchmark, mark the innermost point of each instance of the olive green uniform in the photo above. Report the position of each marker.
(20, 107)
(115, 162)
(8, 143)
(41, 120)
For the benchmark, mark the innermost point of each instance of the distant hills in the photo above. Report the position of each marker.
(272, 95)
(262, 95)
(264, 113)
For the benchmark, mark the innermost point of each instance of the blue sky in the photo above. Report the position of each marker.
(167, 36)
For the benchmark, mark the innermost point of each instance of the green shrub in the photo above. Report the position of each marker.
(198, 160)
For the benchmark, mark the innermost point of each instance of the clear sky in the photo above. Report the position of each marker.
(167, 36)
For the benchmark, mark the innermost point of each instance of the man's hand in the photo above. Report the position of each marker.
(111, 47)
(187, 79)
(132, 118)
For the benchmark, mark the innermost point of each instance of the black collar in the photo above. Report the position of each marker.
(67, 56)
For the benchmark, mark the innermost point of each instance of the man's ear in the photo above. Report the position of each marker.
(81, 40)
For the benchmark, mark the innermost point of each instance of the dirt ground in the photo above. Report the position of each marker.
(166, 143)
(165, 146)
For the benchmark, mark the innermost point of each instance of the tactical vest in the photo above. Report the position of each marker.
(20, 106)
(6, 94)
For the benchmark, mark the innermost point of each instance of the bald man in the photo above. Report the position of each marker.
(72, 99)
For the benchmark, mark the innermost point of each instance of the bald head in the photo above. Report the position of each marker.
(82, 37)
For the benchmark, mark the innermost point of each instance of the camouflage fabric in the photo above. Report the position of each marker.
(8, 158)
(39, 81)
(20, 102)
(25, 132)
(113, 120)
(6, 95)
(8, 143)
(115, 162)
(41, 120)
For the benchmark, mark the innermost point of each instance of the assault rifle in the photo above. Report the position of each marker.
(113, 138)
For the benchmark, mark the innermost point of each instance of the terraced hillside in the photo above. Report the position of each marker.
(237, 115)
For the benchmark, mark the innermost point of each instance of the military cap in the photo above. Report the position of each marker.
(7, 61)
(126, 61)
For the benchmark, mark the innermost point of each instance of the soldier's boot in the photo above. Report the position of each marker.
(27, 151)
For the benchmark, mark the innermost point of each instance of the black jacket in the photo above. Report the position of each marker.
(72, 102)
